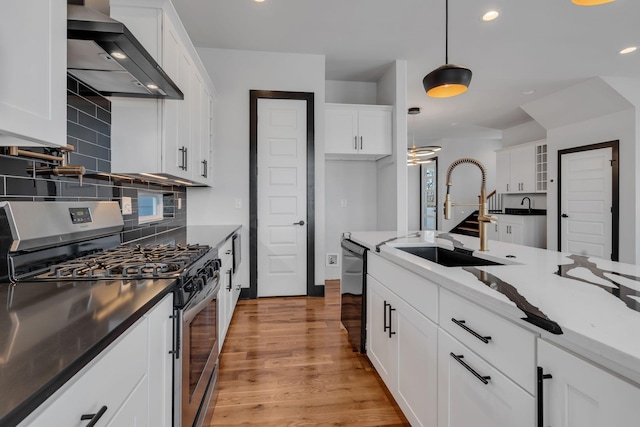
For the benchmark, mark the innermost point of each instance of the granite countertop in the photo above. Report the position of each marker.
(51, 330)
(593, 303)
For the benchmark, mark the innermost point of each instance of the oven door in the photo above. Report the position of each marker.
(199, 355)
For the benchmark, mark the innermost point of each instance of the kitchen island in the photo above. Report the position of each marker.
(546, 302)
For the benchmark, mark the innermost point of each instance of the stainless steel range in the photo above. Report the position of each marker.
(80, 241)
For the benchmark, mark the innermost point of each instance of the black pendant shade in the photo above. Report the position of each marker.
(447, 80)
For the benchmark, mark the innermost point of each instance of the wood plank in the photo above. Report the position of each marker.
(287, 362)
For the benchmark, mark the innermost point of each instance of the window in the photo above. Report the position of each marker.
(150, 207)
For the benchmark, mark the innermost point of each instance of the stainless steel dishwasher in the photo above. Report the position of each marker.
(353, 293)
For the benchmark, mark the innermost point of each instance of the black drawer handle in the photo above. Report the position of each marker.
(385, 315)
(471, 331)
(484, 379)
(541, 376)
(93, 417)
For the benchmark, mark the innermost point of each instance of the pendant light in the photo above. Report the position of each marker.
(416, 154)
(591, 2)
(447, 80)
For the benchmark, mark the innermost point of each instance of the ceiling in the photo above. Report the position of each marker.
(534, 45)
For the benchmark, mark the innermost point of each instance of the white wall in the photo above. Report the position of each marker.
(353, 182)
(392, 170)
(235, 73)
(341, 92)
(413, 194)
(525, 132)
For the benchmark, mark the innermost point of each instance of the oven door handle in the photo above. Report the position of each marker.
(191, 312)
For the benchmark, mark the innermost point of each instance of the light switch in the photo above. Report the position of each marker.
(179, 203)
(343, 203)
(126, 206)
(238, 203)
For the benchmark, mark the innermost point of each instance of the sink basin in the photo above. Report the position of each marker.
(446, 257)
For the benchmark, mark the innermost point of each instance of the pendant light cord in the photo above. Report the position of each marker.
(446, 33)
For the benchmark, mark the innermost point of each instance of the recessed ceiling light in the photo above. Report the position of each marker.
(529, 92)
(259, 1)
(628, 50)
(490, 15)
(454, 124)
(152, 86)
(118, 55)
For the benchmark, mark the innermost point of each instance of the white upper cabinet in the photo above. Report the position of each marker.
(170, 137)
(358, 132)
(518, 168)
(33, 85)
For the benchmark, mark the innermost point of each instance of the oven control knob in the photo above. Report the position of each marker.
(200, 281)
(188, 287)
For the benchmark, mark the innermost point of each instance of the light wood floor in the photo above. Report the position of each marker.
(287, 362)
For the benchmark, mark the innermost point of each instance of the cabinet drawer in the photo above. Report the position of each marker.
(419, 292)
(503, 344)
(471, 392)
(109, 382)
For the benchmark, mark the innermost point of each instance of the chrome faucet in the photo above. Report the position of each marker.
(522, 202)
(483, 218)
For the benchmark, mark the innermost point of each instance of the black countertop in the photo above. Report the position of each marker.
(51, 330)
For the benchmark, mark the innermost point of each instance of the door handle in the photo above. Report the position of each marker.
(301, 222)
(564, 216)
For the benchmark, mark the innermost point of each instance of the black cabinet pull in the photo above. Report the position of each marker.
(183, 158)
(230, 285)
(361, 143)
(391, 331)
(385, 317)
(355, 145)
(204, 168)
(93, 417)
(541, 376)
(471, 331)
(483, 379)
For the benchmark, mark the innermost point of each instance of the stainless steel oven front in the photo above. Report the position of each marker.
(196, 369)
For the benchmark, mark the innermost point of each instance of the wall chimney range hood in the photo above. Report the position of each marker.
(104, 54)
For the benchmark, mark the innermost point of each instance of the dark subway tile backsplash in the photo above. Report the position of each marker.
(89, 131)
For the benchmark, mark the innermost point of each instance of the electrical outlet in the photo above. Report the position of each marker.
(343, 203)
(127, 209)
(238, 203)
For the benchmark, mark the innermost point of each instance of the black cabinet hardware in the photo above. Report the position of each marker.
(183, 158)
(355, 142)
(391, 331)
(484, 379)
(471, 331)
(93, 417)
(385, 316)
(564, 216)
(541, 377)
(361, 143)
(230, 285)
(204, 168)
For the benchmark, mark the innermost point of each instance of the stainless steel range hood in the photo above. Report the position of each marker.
(102, 53)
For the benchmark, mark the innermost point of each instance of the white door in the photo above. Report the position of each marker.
(586, 201)
(282, 197)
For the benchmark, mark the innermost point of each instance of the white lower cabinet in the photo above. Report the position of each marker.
(527, 230)
(120, 387)
(580, 394)
(402, 345)
(471, 392)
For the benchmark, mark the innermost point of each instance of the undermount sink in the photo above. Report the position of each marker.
(446, 257)
(519, 211)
